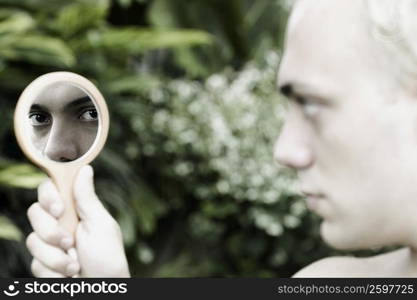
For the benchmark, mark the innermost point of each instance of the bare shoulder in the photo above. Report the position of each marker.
(385, 265)
(336, 266)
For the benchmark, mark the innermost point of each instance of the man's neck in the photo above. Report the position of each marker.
(412, 257)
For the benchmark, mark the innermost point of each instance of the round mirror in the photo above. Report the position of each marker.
(61, 123)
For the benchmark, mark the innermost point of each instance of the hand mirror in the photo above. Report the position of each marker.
(61, 123)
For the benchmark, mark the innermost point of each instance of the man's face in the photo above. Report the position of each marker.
(63, 122)
(350, 131)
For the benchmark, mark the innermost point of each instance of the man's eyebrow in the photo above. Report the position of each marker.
(286, 90)
(79, 102)
(294, 90)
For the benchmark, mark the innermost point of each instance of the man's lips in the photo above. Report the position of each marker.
(307, 193)
(313, 199)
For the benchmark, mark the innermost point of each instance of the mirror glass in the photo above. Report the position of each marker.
(63, 122)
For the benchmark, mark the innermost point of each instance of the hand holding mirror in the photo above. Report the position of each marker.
(61, 123)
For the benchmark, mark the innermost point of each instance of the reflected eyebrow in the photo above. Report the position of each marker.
(79, 102)
(37, 107)
(73, 104)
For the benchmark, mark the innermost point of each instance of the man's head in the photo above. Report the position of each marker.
(64, 122)
(351, 127)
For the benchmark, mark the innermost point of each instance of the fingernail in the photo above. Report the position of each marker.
(66, 242)
(72, 269)
(56, 209)
(73, 254)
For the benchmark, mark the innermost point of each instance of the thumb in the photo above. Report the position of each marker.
(87, 204)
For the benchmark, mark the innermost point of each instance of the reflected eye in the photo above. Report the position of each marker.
(39, 119)
(89, 115)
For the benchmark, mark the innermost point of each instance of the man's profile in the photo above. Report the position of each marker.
(351, 133)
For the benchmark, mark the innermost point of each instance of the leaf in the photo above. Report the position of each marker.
(189, 60)
(8, 230)
(49, 5)
(124, 3)
(14, 21)
(137, 41)
(21, 176)
(219, 210)
(80, 16)
(43, 50)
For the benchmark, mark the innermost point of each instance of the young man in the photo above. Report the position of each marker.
(350, 132)
(63, 122)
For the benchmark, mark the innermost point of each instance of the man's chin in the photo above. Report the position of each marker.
(339, 239)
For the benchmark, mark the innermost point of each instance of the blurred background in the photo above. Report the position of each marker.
(187, 170)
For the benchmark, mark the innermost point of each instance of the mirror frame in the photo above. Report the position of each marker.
(25, 101)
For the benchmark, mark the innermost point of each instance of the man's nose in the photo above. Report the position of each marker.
(292, 150)
(61, 145)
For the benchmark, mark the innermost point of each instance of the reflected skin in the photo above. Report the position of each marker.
(351, 135)
(64, 122)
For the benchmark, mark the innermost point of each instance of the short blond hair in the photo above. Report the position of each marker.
(393, 23)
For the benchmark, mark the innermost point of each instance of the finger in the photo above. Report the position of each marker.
(50, 199)
(47, 227)
(52, 257)
(40, 270)
(88, 206)
(73, 254)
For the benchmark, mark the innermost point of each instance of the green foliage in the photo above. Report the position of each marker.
(20, 42)
(20, 176)
(8, 230)
(187, 170)
(77, 17)
(14, 21)
(138, 41)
